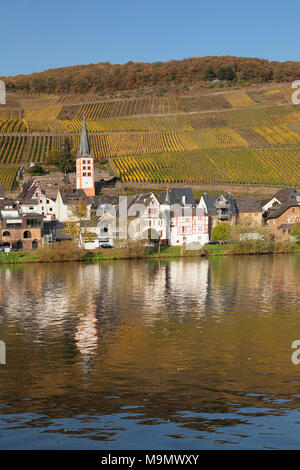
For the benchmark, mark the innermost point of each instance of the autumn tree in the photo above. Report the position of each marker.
(77, 223)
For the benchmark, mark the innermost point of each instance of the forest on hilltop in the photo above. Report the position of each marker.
(108, 78)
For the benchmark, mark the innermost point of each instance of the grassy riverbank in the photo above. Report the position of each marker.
(61, 254)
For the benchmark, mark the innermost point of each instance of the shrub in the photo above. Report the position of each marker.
(60, 251)
(221, 232)
(136, 249)
(36, 170)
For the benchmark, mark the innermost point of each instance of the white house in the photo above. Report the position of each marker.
(32, 199)
(192, 227)
(65, 199)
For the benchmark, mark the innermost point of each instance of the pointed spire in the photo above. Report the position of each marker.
(168, 197)
(84, 148)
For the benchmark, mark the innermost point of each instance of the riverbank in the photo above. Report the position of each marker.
(152, 253)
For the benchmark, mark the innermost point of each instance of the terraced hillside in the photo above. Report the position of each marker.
(233, 136)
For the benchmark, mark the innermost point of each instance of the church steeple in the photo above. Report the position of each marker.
(85, 164)
(84, 147)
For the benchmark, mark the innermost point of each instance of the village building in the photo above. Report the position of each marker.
(285, 195)
(248, 210)
(66, 198)
(32, 199)
(192, 227)
(281, 219)
(174, 204)
(55, 231)
(219, 209)
(18, 230)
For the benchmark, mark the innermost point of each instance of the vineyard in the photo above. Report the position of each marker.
(238, 166)
(213, 138)
(8, 175)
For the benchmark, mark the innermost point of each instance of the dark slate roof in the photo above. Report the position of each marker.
(103, 199)
(57, 229)
(247, 204)
(188, 212)
(71, 195)
(286, 195)
(84, 147)
(278, 209)
(176, 195)
(210, 201)
(53, 224)
(143, 199)
(8, 202)
(27, 192)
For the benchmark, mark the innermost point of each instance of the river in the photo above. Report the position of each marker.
(180, 354)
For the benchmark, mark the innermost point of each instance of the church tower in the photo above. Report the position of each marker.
(85, 164)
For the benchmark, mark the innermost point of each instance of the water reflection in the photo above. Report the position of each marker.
(176, 354)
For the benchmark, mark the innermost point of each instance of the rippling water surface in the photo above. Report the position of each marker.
(187, 354)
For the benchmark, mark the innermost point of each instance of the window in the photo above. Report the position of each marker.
(6, 234)
(27, 234)
(84, 173)
(34, 223)
(89, 174)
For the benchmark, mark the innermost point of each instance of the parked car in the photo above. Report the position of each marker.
(212, 242)
(150, 244)
(5, 249)
(106, 245)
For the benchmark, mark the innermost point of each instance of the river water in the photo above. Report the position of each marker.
(181, 354)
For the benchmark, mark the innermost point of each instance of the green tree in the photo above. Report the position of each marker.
(209, 74)
(221, 232)
(66, 162)
(226, 72)
(296, 231)
(36, 170)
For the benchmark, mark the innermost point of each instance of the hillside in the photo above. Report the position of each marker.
(229, 135)
(106, 78)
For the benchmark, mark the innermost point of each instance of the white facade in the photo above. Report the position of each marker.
(40, 204)
(63, 211)
(189, 229)
(269, 204)
(85, 175)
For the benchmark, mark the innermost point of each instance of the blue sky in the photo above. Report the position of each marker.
(38, 35)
